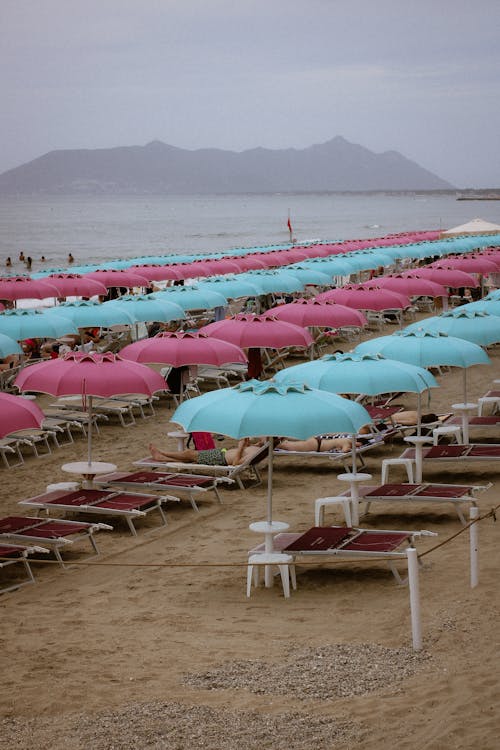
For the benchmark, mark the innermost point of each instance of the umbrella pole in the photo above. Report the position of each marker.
(270, 485)
(89, 433)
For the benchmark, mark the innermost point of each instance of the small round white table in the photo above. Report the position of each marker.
(269, 530)
(463, 410)
(88, 471)
(181, 438)
(354, 480)
(418, 441)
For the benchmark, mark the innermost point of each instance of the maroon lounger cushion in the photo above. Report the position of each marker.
(446, 451)
(40, 527)
(11, 551)
(419, 490)
(157, 477)
(319, 538)
(485, 450)
(96, 498)
(371, 541)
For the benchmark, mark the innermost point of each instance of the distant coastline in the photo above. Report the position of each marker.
(478, 198)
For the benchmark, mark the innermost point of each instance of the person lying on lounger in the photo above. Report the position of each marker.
(319, 444)
(244, 451)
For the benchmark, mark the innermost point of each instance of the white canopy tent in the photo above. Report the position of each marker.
(476, 226)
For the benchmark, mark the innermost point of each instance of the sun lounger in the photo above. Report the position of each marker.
(124, 505)
(50, 532)
(11, 452)
(124, 410)
(480, 423)
(491, 397)
(12, 554)
(460, 453)
(348, 543)
(63, 429)
(343, 457)
(34, 439)
(74, 416)
(230, 472)
(459, 495)
(190, 484)
(143, 404)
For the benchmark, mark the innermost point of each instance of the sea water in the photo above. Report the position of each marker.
(98, 228)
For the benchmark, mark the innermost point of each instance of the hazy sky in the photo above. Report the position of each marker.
(418, 76)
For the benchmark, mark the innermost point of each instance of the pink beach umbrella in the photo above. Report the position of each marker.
(87, 375)
(250, 262)
(195, 269)
(222, 266)
(118, 278)
(24, 287)
(412, 285)
(179, 349)
(259, 331)
(366, 297)
(492, 254)
(469, 264)
(287, 257)
(75, 285)
(308, 313)
(157, 272)
(17, 413)
(446, 276)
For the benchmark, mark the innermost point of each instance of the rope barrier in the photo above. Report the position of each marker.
(322, 563)
(490, 514)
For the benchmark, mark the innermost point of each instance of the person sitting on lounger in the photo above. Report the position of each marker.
(319, 444)
(245, 451)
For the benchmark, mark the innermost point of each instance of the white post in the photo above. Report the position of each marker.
(89, 433)
(416, 627)
(473, 532)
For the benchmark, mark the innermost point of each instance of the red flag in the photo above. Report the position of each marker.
(289, 225)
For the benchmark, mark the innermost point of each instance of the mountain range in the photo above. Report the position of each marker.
(158, 168)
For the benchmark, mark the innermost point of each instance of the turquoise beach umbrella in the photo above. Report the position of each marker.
(490, 306)
(427, 349)
(231, 287)
(364, 260)
(333, 266)
(256, 409)
(20, 324)
(308, 275)
(147, 307)
(370, 374)
(8, 346)
(280, 282)
(193, 297)
(85, 313)
(475, 326)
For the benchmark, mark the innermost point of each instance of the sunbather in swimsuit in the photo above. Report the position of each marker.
(213, 457)
(319, 444)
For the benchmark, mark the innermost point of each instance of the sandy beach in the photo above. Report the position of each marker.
(155, 645)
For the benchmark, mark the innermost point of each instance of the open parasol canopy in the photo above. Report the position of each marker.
(87, 375)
